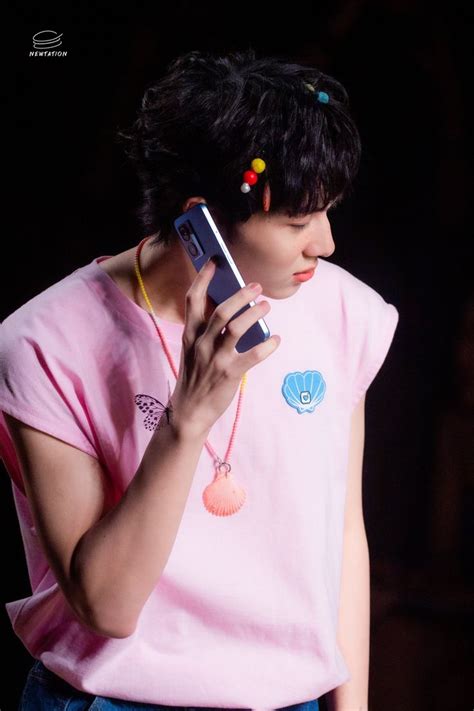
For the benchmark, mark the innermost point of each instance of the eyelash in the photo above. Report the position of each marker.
(300, 227)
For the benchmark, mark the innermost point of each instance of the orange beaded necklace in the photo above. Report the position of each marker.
(223, 496)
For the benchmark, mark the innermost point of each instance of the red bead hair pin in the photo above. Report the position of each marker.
(250, 177)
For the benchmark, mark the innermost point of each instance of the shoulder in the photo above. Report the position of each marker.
(353, 302)
(361, 321)
(55, 315)
(347, 284)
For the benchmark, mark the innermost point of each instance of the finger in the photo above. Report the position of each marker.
(258, 353)
(196, 301)
(236, 328)
(225, 311)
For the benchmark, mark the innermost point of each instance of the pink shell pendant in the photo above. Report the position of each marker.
(223, 496)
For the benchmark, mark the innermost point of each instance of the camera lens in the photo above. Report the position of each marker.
(184, 231)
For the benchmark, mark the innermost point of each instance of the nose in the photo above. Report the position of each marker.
(321, 242)
(329, 248)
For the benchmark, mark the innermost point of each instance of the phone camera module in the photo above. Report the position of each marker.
(185, 232)
(190, 240)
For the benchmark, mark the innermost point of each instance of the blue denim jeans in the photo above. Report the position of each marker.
(45, 691)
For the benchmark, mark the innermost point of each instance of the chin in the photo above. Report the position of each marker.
(283, 293)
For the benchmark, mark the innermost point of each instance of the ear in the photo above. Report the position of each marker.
(192, 201)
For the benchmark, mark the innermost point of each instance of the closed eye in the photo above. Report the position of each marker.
(331, 207)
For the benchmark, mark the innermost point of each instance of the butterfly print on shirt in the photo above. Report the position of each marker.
(153, 408)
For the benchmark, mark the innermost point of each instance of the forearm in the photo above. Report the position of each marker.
(354, 623)
(119, 560)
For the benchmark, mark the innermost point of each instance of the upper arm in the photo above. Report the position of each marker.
(353, 509)
(65, 491)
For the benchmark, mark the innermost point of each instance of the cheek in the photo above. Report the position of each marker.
(268, 249)
(279, 254)
(274, 248)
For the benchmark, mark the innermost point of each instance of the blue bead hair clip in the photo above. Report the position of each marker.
(320, 95)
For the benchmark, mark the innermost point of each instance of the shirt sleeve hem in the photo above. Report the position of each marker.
(385, 341)
(33, 420)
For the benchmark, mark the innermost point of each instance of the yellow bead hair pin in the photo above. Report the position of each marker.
(250, 177)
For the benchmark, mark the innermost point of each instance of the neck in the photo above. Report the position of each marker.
(167, 273)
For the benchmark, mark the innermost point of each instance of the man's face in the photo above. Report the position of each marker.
(269, 249)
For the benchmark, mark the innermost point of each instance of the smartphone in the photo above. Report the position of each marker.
(201, 240)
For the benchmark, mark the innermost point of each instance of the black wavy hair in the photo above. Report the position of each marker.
(201, 124)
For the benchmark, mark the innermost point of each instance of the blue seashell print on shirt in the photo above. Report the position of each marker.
(303, 391)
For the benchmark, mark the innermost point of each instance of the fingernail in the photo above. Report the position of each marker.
(255, 286)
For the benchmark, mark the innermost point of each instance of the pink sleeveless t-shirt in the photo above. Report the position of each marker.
(245, 613)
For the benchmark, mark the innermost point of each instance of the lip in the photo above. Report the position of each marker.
(306, 271)
(304, 276)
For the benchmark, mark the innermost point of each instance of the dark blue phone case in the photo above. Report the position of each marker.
(201, 239)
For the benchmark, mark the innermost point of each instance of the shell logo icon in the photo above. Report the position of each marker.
(47, 39)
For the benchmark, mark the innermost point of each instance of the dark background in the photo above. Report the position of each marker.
(406, 232)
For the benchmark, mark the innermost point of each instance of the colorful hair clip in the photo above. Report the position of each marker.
(250, 176)
(320, 95)
(266, 197)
